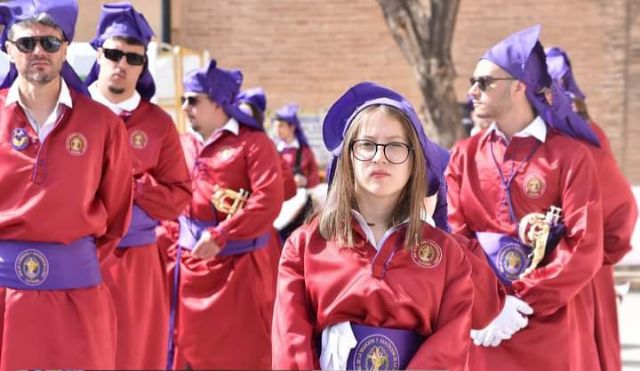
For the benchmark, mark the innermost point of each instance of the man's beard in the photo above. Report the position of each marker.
(40, 77)
(116, 90)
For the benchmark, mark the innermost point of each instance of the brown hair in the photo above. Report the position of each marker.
(129, 40)
(580, 106)
(335, 217)
(43, 19)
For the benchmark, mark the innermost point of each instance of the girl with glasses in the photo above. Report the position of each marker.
(367, 283)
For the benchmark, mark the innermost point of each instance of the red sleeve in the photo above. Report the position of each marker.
(602, 137)
(448, 346)
(265, 200)
(289, 183)
(165, 191)
(116, 187)
(619, 208)
(292, 329)
(453, 175)
(489, 293)
(578, 256)
(311, 168)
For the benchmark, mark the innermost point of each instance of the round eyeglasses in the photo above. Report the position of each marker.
(395, 152)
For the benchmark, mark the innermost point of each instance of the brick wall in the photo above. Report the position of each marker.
(311, 51)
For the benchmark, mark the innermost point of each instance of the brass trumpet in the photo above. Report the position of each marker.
(534, 230)
(229, 201)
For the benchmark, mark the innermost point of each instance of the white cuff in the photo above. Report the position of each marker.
(337, 342)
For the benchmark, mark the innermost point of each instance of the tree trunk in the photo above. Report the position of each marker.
(424, 31)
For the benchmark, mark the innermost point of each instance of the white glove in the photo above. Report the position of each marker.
(337, 342)
(511, 319)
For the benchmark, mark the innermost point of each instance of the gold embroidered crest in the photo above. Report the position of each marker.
(427, 255)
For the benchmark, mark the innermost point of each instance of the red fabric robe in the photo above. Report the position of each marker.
(136, 275)
(80, 186)
(620, 213)
(226, 303)
(308, 165)
(321, 284)
(559, 172)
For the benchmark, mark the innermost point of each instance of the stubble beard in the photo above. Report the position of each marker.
(40, 77)
(116, 90)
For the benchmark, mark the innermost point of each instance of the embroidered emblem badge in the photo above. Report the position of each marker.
(512, 261)
(376, 352)
(427, 255)
(19, 139)
(32, 267)
(76, 144)
(138, 139)
(534, 185)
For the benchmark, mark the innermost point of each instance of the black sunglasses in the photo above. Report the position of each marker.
(485, 81)
(191, 100)
(116, 55)
(50, 44)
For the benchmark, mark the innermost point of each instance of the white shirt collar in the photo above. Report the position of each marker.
(13, 95)
(231, 126)
(127, 105)
(282, 145)
(369, 232)
(43, 130)
(537, 129)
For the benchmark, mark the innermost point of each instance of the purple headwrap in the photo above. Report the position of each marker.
(559, 67)
(222, 87)
(365, 94)
(63, 12)
(522, 56)
(122, 20)
(289, 113)
(254, 97)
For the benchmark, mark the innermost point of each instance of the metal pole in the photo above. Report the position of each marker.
(166, 21)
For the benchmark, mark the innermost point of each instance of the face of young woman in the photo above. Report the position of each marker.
(381, 176)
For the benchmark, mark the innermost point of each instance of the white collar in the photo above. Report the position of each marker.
(13, 95)
(537, 129)
(127, 105)
(231, 126)
(282, 145)
(369, 232)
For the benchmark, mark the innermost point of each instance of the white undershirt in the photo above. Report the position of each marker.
(64, 99)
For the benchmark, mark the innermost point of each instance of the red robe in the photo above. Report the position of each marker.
(308, 165)
(226, 303)
(620, 214)
(81, 186)
(136, 275)
(321, 284)
(560, 172)
(288, 181)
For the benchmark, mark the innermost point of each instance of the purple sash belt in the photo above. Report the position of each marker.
(191, 230)
(382, 348)
(28, 265)
(506, 254)
(142, 230)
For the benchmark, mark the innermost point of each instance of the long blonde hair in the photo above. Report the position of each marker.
(335, 217)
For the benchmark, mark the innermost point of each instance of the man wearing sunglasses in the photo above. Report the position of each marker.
(65, 175)
(525, 165)
(228, 248)
(135, 273)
